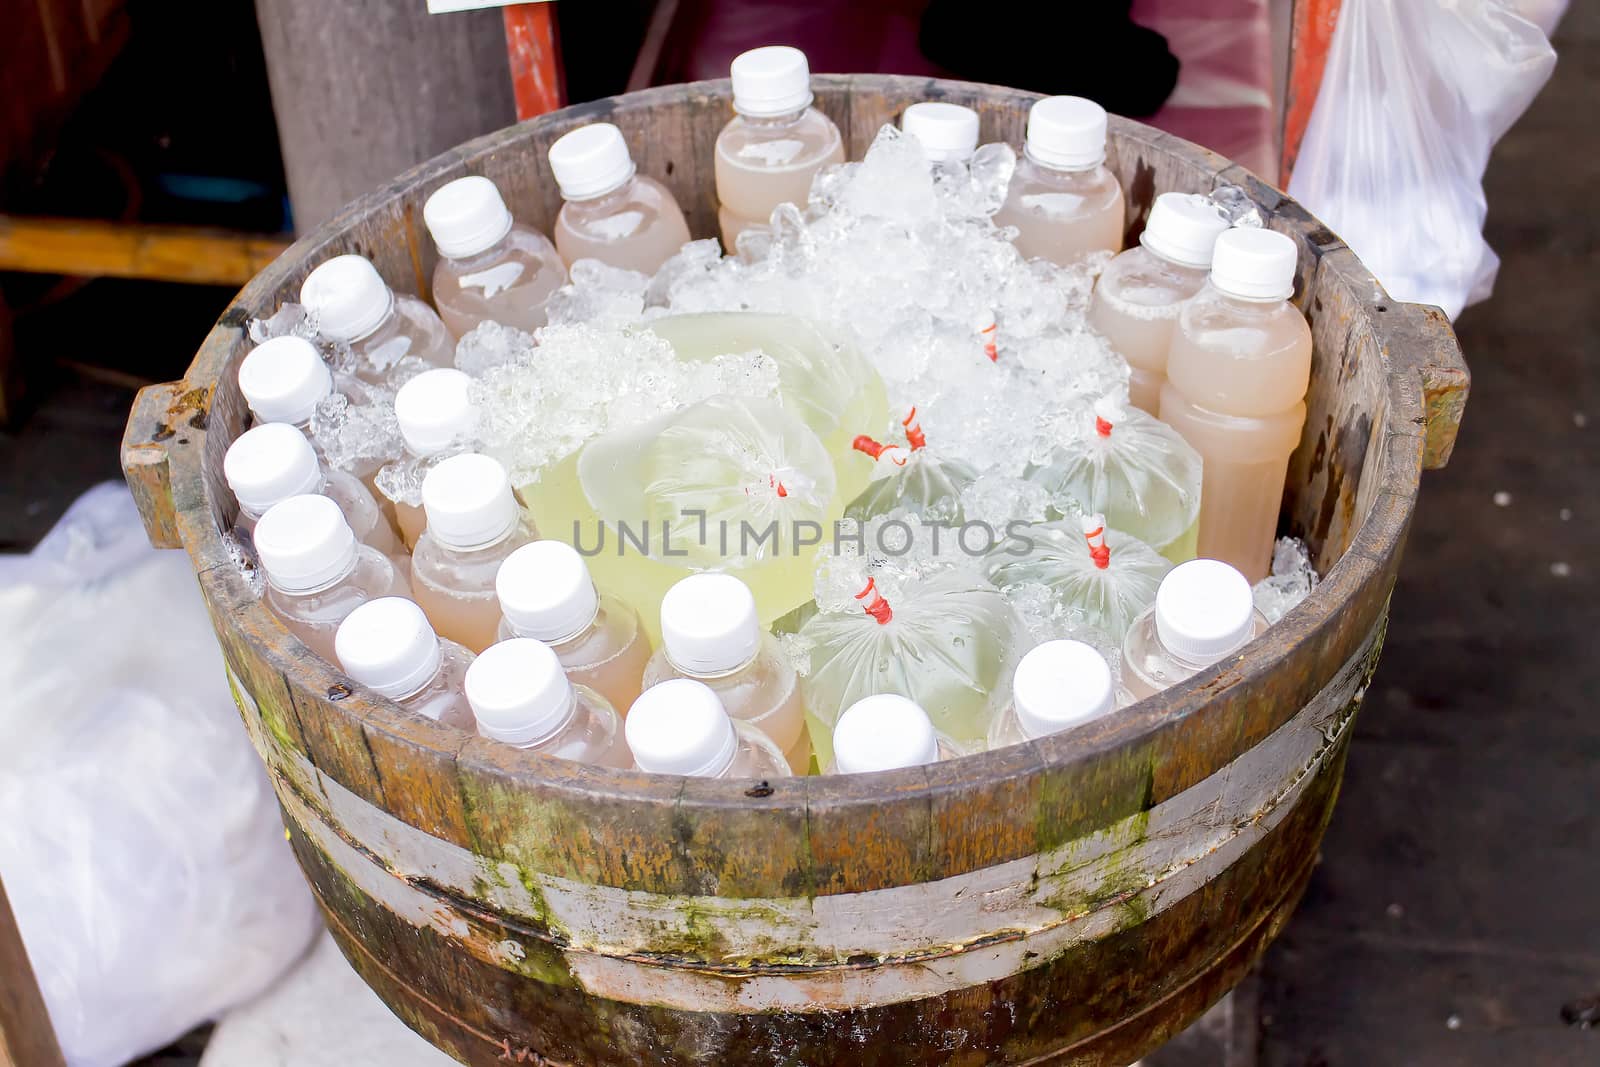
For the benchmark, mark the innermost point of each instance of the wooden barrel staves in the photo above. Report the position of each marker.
(1077, 899)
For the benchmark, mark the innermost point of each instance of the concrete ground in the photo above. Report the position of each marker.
(1455, 918)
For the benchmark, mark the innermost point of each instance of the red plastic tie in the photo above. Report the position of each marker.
(1102, 427)
(863, 443)
(914, 435)
(1100, 553)
(990, 347)
(772, 480)
(878, 607)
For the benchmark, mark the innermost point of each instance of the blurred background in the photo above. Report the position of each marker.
(154, 155)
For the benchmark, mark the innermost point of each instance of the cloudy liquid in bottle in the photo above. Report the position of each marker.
(775, 144)
(612, 213)
(1063, 201)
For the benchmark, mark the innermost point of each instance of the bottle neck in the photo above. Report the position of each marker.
(609, 200)
(1061, 168)
(774, 122)
(494, 252)
(343, 575)
(693, 673)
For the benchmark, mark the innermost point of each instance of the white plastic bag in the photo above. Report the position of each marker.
(1414, 95)
(139, 841)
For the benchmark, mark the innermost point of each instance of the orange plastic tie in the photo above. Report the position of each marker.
(877, 607)
(863, 443)
(914, 435)
(1099, 552)
(991, 347)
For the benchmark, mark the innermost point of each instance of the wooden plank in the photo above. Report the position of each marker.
(363, 92)
(97, 248)
(26, 1037)
(534, 56)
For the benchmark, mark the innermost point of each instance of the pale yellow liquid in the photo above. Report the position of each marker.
(637, 227)
(412, 520)
(764, 694)
(413, 331)
(761, 163)
(509, 283)
(562, 511)
(609, 656)
(1236, 382)
(1135, 307)
(1063, 215)
(455, 589)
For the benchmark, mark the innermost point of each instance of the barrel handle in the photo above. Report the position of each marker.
(1418, 337)
(161, 415)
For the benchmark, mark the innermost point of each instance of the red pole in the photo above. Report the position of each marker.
(1311, 36)
(535, 58)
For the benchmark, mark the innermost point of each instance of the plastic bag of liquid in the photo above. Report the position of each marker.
(948, 642)
(1098, 577)
(909, 477)
(140, 844)
(824, 381)
(1117, 461)
(1414, 95)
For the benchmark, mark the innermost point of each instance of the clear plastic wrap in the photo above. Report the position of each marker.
(1413, 97)
(141, 846)
(911, 478)
(1097, 576)
(1123, 463)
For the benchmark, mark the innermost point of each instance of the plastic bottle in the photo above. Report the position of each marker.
(1063, 201)
(948, 133)
(490, 266)
(521, 697)
(1236, 385)
(710, 632)
(885, 733)
(681, 727)
(355, 306)
(1140, 293)
(388, 646)
(283, 380)
(474, 523)
(1056, 686)
(274, 462)
(612, 213)
(317, 572)
(775, 144)
(545, 592)
(436, 417)
(1203, 614)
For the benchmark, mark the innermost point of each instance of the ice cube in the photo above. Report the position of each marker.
(490, 344)
(356, 435)
(598, 293)
(1291, 581)
(1237, 206)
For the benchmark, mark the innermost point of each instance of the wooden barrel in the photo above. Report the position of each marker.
(1077, 899)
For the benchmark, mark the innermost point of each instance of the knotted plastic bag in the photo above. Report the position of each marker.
(909, 478)
(1117, 461)
(948, 641)
(1097, 576)
(1414, 95)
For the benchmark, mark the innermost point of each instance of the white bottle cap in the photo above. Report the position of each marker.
(775, 80)
(1066, 131)
(948, 132)
(709, 624)
(304, 543)
(1204, 610)
(680, 727)
(434, 411)
(882, 733)
(388, 645)
(519, 692)
(468, 501)
(1184, 227)
(466, 216)
(1060, 684)
(590, 161)
(545, 591)
(1255, 264)
(283, 379)
(349, 297)
(270, 463)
